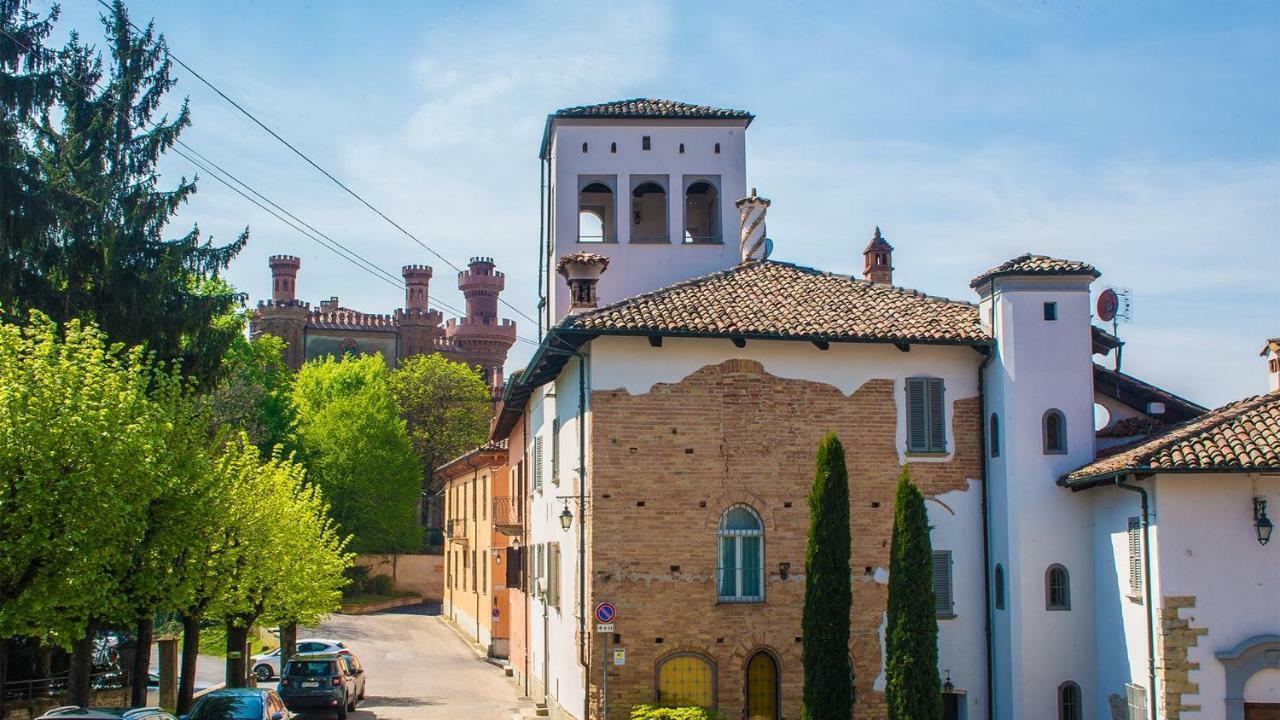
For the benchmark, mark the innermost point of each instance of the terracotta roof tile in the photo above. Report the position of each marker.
(775, 299)
(1244, 435)
(651, 108)
(1131, 427)
(1029, 264)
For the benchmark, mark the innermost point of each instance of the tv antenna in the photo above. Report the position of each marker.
(1115, 305)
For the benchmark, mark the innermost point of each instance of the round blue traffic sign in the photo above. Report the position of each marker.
(605, 613)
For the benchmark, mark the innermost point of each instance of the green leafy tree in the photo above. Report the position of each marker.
(912, 690)
(254, 391)
(446, 407)
(102, 255)
(354, 444)
(828, 591)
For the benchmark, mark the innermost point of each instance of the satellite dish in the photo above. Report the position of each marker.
(768, 248)
(1108, 304)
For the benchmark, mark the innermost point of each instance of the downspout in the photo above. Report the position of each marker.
(1146, 584)
(986, 532)
(475, 538)
(542, 194)
(584, 656)
(524, 555)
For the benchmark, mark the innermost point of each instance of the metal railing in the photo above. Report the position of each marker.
(457, 529)
(507, 510)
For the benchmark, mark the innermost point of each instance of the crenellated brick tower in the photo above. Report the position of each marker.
(481, 337)
(419, 325)
(283, 315)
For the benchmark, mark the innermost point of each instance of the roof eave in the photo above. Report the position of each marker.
(544, 150)
(726, 335)
(988, 277)
(1108, 478)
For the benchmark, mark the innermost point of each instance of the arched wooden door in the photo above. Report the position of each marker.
(762, 687)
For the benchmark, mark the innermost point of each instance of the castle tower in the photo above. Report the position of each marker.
(481, 337)
(283, 315)
(878, 260)
(648, 184)
(418, 325)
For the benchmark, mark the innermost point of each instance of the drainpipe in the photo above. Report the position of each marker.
(524, 554)
(1146, 584)
(475, 539)
(542, 194)
(986, 533)
(584, 658)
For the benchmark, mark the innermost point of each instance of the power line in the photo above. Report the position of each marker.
(311, 162)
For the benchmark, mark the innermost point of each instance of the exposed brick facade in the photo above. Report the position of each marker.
(732, 433)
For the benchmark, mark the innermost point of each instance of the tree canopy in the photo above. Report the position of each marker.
(912, 689)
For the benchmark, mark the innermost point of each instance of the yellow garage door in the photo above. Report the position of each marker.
(686, 679)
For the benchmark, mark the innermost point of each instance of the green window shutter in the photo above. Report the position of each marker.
(943, 604)
(537, 463)
(937, 416)
(917, 423)
(553, 575)
(555, 451)
(1135, 554)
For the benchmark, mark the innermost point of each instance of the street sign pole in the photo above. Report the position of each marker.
(605, 669)
(605, 614)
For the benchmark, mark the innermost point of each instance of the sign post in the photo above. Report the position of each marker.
(605, 615)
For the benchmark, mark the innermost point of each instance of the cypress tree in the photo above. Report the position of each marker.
(828, 591)
(912, 691)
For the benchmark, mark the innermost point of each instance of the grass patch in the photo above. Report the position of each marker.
(213, 640)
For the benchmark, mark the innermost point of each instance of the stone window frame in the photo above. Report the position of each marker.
(710, 661)
(1077, 709)
(1049, 603)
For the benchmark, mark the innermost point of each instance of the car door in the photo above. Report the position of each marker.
(358, 671)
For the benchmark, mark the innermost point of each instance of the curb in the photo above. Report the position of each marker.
(380, 606)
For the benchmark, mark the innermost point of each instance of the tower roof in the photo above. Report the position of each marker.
(642, 109)
(877, 243)
(1029, 264)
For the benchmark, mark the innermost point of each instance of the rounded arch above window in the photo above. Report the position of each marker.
(687, 678)
(597, 187)
(1057, 588)
(648, 188)
(1070, 701)
(740, 518)
(1054, 425)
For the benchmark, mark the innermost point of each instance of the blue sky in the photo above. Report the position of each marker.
(1143, 137)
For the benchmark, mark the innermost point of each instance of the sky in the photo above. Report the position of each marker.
(1142, 137)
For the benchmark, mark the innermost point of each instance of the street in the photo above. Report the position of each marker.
(418, 669)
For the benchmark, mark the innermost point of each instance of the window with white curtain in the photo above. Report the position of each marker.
(740, 571)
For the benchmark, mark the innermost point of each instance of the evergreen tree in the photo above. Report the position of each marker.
(104, 256)
(828, 591)
(913, 691)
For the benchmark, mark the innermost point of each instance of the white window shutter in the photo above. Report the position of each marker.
(937, 416)
(1135, 554)
(943, 604)
(555, 451)
(537, 463)
(917, 426)
(553, 575)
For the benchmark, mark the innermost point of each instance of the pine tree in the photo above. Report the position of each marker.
(828, 591)
(912, 691)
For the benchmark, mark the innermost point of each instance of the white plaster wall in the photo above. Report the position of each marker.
(1039, 365)
(1273, 378)
(956, 519)
(1264, 686)
(640, 267)
(1208, 549)
(564, 674)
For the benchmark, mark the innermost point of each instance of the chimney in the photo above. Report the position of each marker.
(417, 278)
(284, 276)
(330, 305)
(582, 270)
(1271, 352)
(878, 265)
(752, 244)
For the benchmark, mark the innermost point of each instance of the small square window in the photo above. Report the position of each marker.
(1051, 311)
(644, 143)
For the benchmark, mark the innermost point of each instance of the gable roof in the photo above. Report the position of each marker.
(1136, 394)
(1273, 345)
(777, 300)
(490, 454)
(1028, 264)
(1243, 436)
(641, 109)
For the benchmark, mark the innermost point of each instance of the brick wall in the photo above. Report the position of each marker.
(666, 464)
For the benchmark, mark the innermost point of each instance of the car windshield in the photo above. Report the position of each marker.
(227, 707)
(309, 668)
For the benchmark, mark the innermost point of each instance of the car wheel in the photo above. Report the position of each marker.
(342, 711)
(263, 673)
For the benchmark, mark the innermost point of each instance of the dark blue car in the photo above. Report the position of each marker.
(239, 704)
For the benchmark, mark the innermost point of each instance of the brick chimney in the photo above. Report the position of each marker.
(878, 265)
(284, 276)
(751, 231)
(417, 279)
(582, 270)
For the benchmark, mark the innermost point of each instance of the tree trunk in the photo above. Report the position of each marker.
(237, 663)
(288, 643)
(79, 680)
(141, 670)
(4, 672)
(190, 653)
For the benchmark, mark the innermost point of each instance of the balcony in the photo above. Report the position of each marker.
(508, 515)
(456, 530)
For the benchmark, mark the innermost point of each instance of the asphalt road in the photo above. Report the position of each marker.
(418, 669)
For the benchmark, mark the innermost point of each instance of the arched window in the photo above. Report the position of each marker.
(349, 347)
(993, 430)
(1069, 701)
(649, 213)
(1055, 432)
(740, 571)
(762, 687)
(999, 589)
(702, 213)
(596, 213)
(687, 679)
(1057, 588)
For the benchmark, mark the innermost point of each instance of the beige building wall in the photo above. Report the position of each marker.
(420, 574)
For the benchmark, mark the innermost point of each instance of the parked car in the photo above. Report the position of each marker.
(356, 671)
(267, 665)
(72, 712)
(239, 704)
(320, 682)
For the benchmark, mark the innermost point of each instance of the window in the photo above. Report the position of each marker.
(555, 451)
(584, 147)
(740, 571)
(1055, 433)
(717, 148)
(645, 144)
(473, 571)
(1051, 311)
(942, 596)
(701, 212)
(553, 575)
(649, 212)
(537, 464)
(1069, 704)
(687, 679)
(596, 210)
(681, 148)
(539, 586)
(999, 583)
(1136, 698)
(484, 498)
(762, 687)
(484, 576)
(1057, 588)
(1135, 555)
(994, 431)
(926, 416)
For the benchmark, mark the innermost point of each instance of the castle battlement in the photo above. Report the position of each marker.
(349, 320)
(265, 304)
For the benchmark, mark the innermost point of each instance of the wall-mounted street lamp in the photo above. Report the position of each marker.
(566, 515)
(1261, 523)
(783, 569)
